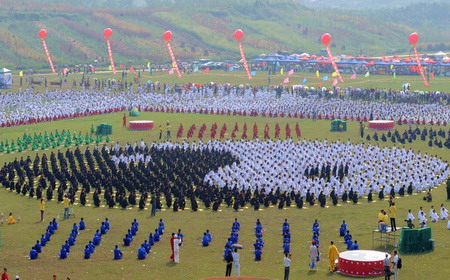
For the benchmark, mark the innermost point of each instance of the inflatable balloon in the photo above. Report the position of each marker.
(238, 34)
(42, 33)
(413, 38)
(326, 39)
(107, 32)
(167, 36)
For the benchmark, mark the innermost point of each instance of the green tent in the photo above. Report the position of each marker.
(417, 240)
(338, 125)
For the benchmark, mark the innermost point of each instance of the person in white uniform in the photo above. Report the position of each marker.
(236, 264)
(176, 249)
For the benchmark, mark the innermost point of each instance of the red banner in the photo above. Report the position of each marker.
(49, 58)
(111, 59)
(421, 71)
(336, 69)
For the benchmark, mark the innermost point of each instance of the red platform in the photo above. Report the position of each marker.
(381, 125)
(362, 263)
(141, 125)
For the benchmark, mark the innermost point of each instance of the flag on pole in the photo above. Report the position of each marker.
(395, 75)
(131, 69)
(319, 84)
(334, 74)
(20, 73)
(325, 78)
(253, 73)
(206, 70)
(231, 69)
(286, 81)
(171, 71)
(149, 69)
(291, 72)
(148, 64)
(353, 76)
(335, 82)
(392, 66)
(109, 67)
(317, 74)
(304, 81)
(432, 75)
(195, 69)
(367, 74)
(282, 71)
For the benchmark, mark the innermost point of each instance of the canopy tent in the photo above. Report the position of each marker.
(5, 78)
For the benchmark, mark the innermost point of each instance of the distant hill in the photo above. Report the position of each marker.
(362, 4)
(203, 29)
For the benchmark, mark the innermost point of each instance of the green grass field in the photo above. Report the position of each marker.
(261, 78)
(198, 262)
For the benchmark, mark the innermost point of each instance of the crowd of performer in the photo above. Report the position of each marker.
(27, 107)
(236, 173)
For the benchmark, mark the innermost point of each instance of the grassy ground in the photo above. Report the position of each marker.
(239, 77)
(198, 262)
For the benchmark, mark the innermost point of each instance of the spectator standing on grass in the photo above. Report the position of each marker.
(66, 203)
(387, 268)
(229, 260)
(287, 265)
(42, 208)
(395, 264)
(237, 265)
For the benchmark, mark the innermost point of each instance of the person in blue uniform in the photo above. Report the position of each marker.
(354, 246)
(38, 247)
(205, 241)
(107, 224)
(236, 225)
(55, 224)
(43, 241)
(151, 240)
(286, 248)
(229, 243)
(126, 240)
(347, 236)
(258, 254)
(343, 229)
(208, 234)
(87, 252)
(91, 247)
(82, 224)
(161, 227)
(142, 254)
(63, 253)
(97, 239)
(51, 228)
(48, 235)
(71, 240)
(285, 228)
(117, 253)
(147, 246)
(67, 246)
(103, 229)
(33, 254)
(75, 228)
(156, 236)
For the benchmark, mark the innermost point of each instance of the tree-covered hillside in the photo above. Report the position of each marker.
(201, 28)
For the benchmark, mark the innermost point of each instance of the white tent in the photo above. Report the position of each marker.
(5, 78)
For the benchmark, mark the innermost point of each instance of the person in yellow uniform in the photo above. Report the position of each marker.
(168, 127)
(160, 132)
(42, 208)
(385, 218)
(333, 254)
(11, 219)
(392, 212)
(66, 203)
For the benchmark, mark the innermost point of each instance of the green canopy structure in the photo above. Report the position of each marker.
(416, 240)
(104, 129)
(338, 126)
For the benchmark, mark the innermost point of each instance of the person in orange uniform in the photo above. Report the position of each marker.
(333, 254)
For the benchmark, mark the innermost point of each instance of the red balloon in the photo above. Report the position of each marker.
(414, 38)
(167, 35)
(238, 34)
(107, 32)
(326, 39)
(42, 33)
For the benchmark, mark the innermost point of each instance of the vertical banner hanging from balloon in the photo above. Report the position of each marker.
(168, 37)
(42, 34)
(238, 35)
(413, 39)
(326, 39)
(108, 33)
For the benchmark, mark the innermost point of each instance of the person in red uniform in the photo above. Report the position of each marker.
(5, 274)
(124, 119)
